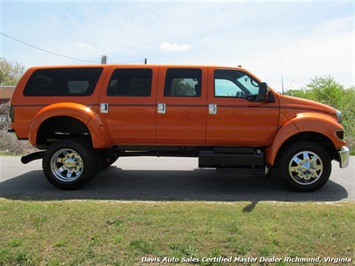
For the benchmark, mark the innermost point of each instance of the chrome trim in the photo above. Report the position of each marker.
(339, 116)
(344, 154)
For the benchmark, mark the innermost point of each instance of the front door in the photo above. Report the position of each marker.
(235, 116)
(181, 106)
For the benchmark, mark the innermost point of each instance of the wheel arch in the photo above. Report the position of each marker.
(59, 127)
(71, 119)
(314, 137)
(292, 132)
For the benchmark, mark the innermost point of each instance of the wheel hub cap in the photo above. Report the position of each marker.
(306, 167)
(69, 162)
(67, 165)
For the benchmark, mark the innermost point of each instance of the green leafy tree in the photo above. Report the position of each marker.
(348, 113)
(10, 73)
(321, 89)
(301, 93)
(326, 90)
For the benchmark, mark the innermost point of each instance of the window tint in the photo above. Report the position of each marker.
(130, 82)
(233, 83)
(183, 82)
(63, 82)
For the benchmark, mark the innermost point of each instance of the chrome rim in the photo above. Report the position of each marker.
(67, 165)
(305, 168)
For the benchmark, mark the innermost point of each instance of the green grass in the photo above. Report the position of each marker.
(123, 233)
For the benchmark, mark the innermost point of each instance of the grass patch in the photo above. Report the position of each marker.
(123, 233)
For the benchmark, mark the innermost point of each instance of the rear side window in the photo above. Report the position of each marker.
(130, 82)
(183, 82)
(63, 82)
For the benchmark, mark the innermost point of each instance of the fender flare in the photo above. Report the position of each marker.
(89, 117)
(284, 133)
(304, 122)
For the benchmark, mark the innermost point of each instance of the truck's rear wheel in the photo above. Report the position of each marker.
(304, 166)
(69, 163)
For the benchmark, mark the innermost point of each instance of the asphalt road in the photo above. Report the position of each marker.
(167, 179)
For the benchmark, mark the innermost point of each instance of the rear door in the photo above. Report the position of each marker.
(181, 106)
(128, 104)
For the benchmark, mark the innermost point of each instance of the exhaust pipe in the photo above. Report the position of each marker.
(31, 157)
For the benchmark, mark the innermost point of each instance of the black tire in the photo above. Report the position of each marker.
(69, 163)
(304, 166)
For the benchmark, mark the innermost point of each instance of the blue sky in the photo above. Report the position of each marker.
(304, 38)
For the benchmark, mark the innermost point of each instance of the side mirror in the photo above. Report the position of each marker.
(263, 95)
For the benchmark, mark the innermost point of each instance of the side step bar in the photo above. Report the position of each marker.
(246, 158)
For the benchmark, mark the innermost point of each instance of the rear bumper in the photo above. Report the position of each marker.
(344, 154)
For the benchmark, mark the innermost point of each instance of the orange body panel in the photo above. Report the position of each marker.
(239, 122)
(130, 119)
(186, 121)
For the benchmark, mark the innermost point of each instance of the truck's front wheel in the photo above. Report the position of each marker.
(69, 163)
(304, 166)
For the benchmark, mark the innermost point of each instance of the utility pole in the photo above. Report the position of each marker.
(104, 59)
(282, 75)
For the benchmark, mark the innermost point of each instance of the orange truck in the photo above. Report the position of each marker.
(84, 117)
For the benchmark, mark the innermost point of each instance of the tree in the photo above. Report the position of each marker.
(326, 90)
(348, 114)
(301, 93)
(322, 89)
(10, 73)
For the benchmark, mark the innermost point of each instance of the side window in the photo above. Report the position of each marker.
(62, 82)
(183, 82)
(130, 82)
(226, 88)
(234, 83)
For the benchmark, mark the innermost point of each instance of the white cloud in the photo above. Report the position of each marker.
(173, 47)
(84, 46)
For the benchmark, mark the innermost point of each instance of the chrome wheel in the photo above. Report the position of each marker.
(70, 163)
(66, 165)
(305, 168)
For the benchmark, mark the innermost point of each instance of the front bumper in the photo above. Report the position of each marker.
(344, 154)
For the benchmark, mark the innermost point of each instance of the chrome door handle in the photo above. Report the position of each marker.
(104, 108)
(212, 109)
(161, 108)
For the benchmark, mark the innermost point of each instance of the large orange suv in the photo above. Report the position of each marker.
(84, 117)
